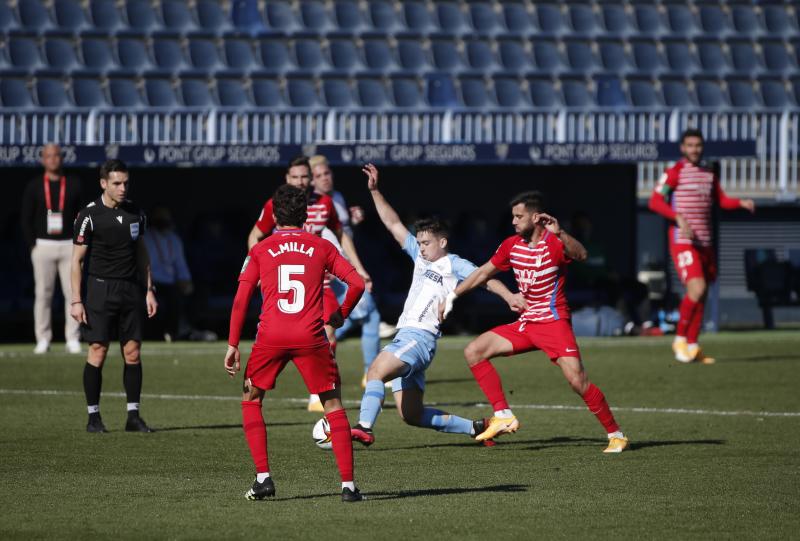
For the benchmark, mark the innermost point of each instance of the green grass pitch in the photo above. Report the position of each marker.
(715, 451)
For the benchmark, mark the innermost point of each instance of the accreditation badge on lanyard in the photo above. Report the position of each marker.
(55, 220)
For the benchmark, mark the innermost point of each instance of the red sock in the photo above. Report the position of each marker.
(696, 323)
(596, 402)
(686, 314)
(489, 381)
(342, 443)
(256, 433)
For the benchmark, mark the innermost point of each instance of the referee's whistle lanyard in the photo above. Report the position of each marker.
(62, 194)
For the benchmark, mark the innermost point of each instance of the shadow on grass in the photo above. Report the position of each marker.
(758, 359)
(452, 380)
(401, 494)
(218, 427)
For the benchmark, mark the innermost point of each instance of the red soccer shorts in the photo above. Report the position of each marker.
(316, 365)
(555, 338)
(329, 303)
(693, 261)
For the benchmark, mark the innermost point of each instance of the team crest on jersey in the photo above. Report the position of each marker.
(244, 265)
(135, 230)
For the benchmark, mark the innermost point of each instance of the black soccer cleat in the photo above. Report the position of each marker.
(261, 491)
(351, 495)
(136, 424)
(95, 424)
(362, 435)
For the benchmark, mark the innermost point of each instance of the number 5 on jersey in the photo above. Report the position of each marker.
(287, 285)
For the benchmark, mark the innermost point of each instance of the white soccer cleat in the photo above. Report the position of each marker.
(73, 347)
(42, 347)
(314, 404)
(385, 330)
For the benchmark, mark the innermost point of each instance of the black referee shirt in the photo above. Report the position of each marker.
(111, 235)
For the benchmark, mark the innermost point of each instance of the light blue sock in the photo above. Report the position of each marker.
(371, 402)
(445, 422)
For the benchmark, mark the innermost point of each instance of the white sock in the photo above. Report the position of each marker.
(133, 406)
(504, 414)
(617, 434)
(313, 398)
(365, 424)
(93, 409)
(349, 484)
(680, 339)
(261, 476)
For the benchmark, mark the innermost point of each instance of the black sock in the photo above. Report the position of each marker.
(132, 380)
(92, 382)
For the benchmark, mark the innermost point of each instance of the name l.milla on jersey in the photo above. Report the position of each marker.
(292, 247)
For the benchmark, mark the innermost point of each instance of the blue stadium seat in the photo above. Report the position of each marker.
(123, 93)
(382, 16)
(371, 93)
(406, 92)
(280, 17)
(777, 20)
(676, 93)
(613, 56)
(59, 54)
(445, 55)
(714, 21)
(33, 16)
(774, 93)
(344, 55)
(508, 93)
(547, 56)
(550, 20)
(741, 93)
(23, 52)
(378, 55)
(7, 19)
(680, 57)
(416, 17)
(583, 20)
(140, 16)
(543, 93)
(649, 21)
(475, 93)
(132, 54)
(647, 58)
(231, 93)
(745, 20)
(176, 16)
(411, 55)
(104, 15)
(580, 57)
(238, 54)
(195, 92)
(347, 16)
(576, 93)
(168, 54)
(14, 93)
(744, 58)
(159, 92)
(314, 17)
(308, 55)
(203, 54)
(609, 91)
(51, 93)
(246, 17)
(681, 20)
(266, 92)
(709, 94)
(796, 87)
(776, 57)
(616, 20)
(274, 55)
(479, 55)
(517, 20)
(211, 17)
(97, 54)
(450, 18)
(712, 58)
(69, 15)
(87, 92)
(336, 92)
(643, 93)
(483, 18)
(513, 56)
(300, 92)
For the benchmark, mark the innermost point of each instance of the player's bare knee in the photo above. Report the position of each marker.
(473, 353)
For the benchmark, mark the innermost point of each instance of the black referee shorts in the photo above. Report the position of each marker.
(114, 309)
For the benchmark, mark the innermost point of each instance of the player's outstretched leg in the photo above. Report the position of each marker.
(412, 410)
(384, 368)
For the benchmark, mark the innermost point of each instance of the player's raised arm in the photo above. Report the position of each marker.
(572, 246)
(387, 214)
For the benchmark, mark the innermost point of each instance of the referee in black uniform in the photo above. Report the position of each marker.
(109, 250)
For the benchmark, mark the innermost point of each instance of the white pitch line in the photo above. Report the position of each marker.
(545, 407)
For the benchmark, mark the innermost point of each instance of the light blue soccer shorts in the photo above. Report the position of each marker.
(416, 348)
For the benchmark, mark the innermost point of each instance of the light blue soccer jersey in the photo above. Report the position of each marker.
(433, 280)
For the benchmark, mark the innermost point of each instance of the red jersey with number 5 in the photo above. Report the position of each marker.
(291, 265)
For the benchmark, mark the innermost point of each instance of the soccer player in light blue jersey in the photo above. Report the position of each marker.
(404, 361)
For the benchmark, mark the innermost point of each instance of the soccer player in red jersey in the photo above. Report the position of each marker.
(321, 214)
(684, 196)
(538, 254)
(291, 266)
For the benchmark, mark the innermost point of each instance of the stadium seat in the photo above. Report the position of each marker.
(744, 58)
(314, 17)
(97, 54)
(159, 92)
(649, 21)
(59, 54)
(246, 17)
(336, 92)
(416, 17)
(308, 55)
(33, 16)
(741, 93)
(87, 92)
(274, 55)
(745, 20)
(647, 58)
(643, 93)
(517, 20)
(508, 93)
(513, 55)
(280, 17)
(483, 19)
(576, 93)
(714, 21)
(371, 93)
(382, 16)
(140, 16)
(347, 16)
(613, 56)
(406, 92)
(440, 91)
(14, 93)
(344, 55)
(680, 58)
(610, 92)
(681, 20)
(377, 55)
(479, 55)
(445, 55)
(176, 16)
(195, 92)
(543, 93)
(104, 15)
(7, 19)
(123, 93)
(676, 93)
(266, 92)
(550, 20)
(616, 20)
(203, 54)
(580, 56)
(778, 21)
(774, 93)
(709, 94)
(712, 58)
(211, 17)
(69, 15)
(132, 54)
(547, 56)
(474, 92)
(583, 20)
(411, 55)
(776, 57)
(238, 54)
(51, 93)
(23, 52)
(300, 92)
(450, 18)
(168, 54)
(231, 93)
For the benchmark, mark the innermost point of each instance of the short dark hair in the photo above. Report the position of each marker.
(299, 160)
(433, 225)
(289, 204)
(691, 132)
(112, 166)
(532, 200)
